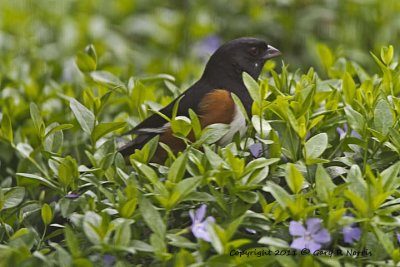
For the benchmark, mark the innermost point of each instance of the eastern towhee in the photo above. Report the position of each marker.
(210, 97)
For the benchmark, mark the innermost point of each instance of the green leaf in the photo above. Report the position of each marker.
(239, 104)
(275, 149)
(357, 202)
(159, 245)
(139, 245)
(145, 154)
(355, 119)
(24, 149)
(177, 169)
(183, 189)
(160, 76)
(83, 115)
(212, 133)
(281, 196)
(335, 216)
(91, 51)
(37, 119)
(386, 220)
(273, 241)
(395, 138)
(216, 235)
(261, 126)
(107, 79)
(85, 62)
(12, 197)
(323, 184)
(123, 233)
(307, 99)
(180, 242)
(294, 178)
(63, 257)
(58, 128)
(315, 146)
(384, 69)
(6, 128)
(357, 184)
(104, 128)
(390, 179)
(72, 241)
(215, 160)
(196, 126)
(199, 196)
(19, 233)
(387, 54)
(233, 226)
(68, 172)
(128, 208)
(326, 56)
(39, 179)
(175, 108)
(53, 140)
(181, 125)
(348, 88)
(259, 163)
(91, 224)
(151, 176)
(252, 86)
(293, 122)
(152, 217)
(248, 196)
(383, 239)
(47, 214)
(383, 117)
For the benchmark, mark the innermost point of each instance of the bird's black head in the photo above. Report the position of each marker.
(240, 55)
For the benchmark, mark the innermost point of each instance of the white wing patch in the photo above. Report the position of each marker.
(238, 124)
(155, 130)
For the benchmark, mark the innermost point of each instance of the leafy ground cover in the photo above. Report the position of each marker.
(314, 181)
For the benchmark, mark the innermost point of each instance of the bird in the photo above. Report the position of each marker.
(210, 97)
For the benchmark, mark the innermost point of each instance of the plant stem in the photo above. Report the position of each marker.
(42, 238)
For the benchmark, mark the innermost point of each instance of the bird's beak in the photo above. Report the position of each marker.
(271, 52)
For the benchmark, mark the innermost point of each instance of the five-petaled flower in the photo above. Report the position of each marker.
(199, 224)
(351, 234)
(313, 237)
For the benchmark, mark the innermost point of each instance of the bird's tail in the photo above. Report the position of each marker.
(136, 143)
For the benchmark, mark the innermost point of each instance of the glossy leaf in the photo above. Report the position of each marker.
(83, 115)
(47, 214)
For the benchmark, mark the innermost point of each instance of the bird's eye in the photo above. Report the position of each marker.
(254, 51)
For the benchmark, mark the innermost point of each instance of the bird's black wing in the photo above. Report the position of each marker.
(155, 124)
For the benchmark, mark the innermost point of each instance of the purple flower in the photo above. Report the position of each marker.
(109, 260)
(199, 224)
(207, 46)
(343, 131)
(72, 195)
(398, 237)
(311, 238)
(256, 150)
(351, 234)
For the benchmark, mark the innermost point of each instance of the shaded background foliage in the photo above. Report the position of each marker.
(145, 37)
